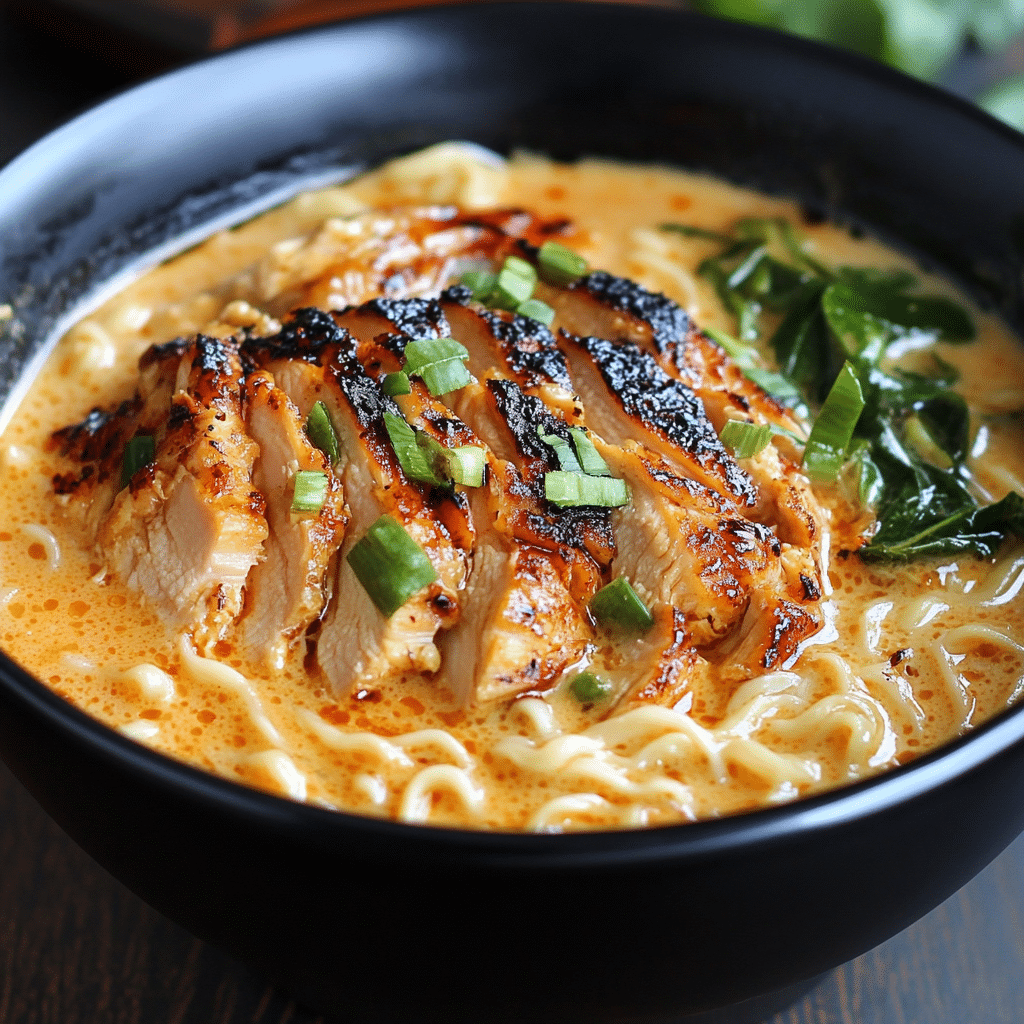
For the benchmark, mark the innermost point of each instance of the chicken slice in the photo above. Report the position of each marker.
(510, 423)
(519, 627)
(190, 525)
(626, 394)
(619, 309)
(313, 359)
(349, 260)
(287, 591)
(664, 666)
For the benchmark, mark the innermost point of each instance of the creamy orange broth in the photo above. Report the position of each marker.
(407, 751)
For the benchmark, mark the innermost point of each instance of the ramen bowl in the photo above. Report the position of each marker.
(376, 921)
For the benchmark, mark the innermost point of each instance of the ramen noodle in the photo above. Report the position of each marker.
(906, 655)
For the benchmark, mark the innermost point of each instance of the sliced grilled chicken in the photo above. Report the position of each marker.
(189, 526)
(395, 254)
(519, 625)
(627, 395)
(619, 309)
(726, 553)
(511, 422)
(664, 667)
(313, 359)
(287, 591)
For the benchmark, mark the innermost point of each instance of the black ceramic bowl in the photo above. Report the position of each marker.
(385, 922)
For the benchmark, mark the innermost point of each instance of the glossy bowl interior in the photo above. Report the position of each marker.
(377, 921)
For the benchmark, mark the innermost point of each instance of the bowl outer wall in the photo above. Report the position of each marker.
(688, 917)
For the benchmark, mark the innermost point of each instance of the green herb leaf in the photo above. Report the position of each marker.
(390, 565)
(692, 231)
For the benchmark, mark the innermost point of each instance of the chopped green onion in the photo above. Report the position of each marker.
(537, 310)
(417, 462)
(138, 452)
(922, 441)
(830, 436)
(618, 604)
(396, 384)
(568, 490)
(566, 459)
(590, 458)
(466, 465)
(440, 362)
(310, 491)
(589, 689)
(560, 266)
(390, 565)
(744, 439)
(480, 282)
(321, 431)
(515, 284)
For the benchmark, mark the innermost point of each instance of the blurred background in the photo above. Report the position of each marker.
(973, 47)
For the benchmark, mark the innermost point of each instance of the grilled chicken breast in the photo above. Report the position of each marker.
(725, 552)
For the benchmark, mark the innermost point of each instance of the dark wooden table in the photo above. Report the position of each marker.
(77, 948)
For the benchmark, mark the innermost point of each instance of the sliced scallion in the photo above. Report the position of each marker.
(440, 362)
(390, 565)
(567, 461)
(480, 282)
(568, 490)
(560, 266)
(321, 431)
(396, 384)
(618, 604)
(413, 456)
(310, 491)
(466, 465)
(515, 284)
(589, 689)
(825, 451)
(537, 310)
(590, 459)
(138, 452)
(744, 439)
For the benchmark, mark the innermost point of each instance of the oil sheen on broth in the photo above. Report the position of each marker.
(910, 655)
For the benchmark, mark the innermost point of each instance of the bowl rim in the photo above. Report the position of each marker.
(709, 837)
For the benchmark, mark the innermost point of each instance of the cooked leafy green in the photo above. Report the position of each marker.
(904, 450)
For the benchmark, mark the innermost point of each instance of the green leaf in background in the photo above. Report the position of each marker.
(916, 36)
(994, 23)
(1006, 101)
